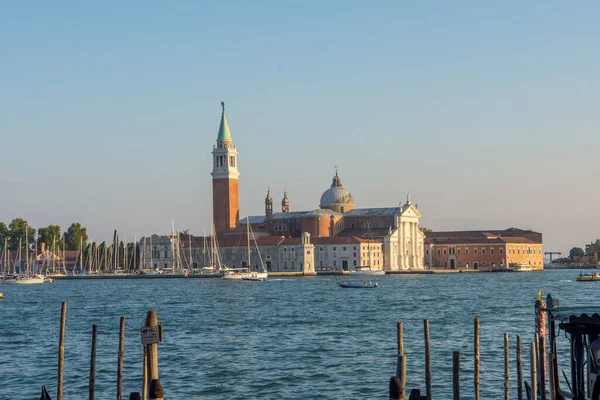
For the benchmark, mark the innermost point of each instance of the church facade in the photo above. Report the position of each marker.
(395, 229)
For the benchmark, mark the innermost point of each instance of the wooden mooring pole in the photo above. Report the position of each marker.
(145, 373)
(456, 375)
(506, 396)
(542, 365)
(400, 338)
(61, 350)
(551, 376)
(395, 389)
(120, 359)
(427, 359)
(92, 380)
(476, 365)
(519, 370)
(533, 361)
(155, 391)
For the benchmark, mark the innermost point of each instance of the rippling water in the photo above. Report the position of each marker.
(292, 338)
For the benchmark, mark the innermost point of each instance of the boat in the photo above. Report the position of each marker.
(245, 273)
(365, 285)
(521, 267)
(588, 277)
(364, 271)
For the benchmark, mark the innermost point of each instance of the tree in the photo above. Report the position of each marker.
(576, 252)
(17, 230)
(51, 236)
(3, 233)
(74, 235)
(593, 260)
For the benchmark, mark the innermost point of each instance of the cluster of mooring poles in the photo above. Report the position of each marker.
(151, 335)
(535, 389)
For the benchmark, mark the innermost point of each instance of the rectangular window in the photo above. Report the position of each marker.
(444, 251)
(320, 249)
(467, 251)
(483, 251)
(354, 254)
(439, 252)
(427, 252)
(501, 251)
(492, 251)
(334, 263)
(334, 249)
(475, 251)
(355, 263)
(354, 248)
(344, 248)
(458, 252)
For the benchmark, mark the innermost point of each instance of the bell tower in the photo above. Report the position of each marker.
(226, 205)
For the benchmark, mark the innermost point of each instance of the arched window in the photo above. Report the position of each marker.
(280, 227)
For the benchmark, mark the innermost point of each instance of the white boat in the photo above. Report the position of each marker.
(245, 273)
(360, 271)
(25, 280)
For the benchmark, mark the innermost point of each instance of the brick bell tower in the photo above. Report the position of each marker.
(226, 205)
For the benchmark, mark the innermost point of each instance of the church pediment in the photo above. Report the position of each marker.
(410, 211)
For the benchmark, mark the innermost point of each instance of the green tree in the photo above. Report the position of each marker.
(576, 252)
(51, 236)
(3, 233)
(74, 235)
(593, 260)
(17, 230)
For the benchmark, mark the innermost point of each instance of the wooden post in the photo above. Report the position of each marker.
(395, 389)
(155, 386)
(400, 338)
(120, 359)
(533, 361)
(456, 375)
(92, 381)
(506, 366)
(156, 391)
(145, 373)
(542, 366)
(61, 350)
(537, 360)
(519, 370)
(401, 371)
(476, 364)
(427, 359)
(551, 376)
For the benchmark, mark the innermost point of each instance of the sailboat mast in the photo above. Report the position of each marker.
(81, 253)
(248, 236)
(20, 258)
(134, 249)
(190, 251)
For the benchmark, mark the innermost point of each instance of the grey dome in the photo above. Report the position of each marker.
(336, 195)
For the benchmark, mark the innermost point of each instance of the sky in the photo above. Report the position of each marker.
(486, 112)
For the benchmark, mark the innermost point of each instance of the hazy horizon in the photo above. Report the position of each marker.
(485, 113)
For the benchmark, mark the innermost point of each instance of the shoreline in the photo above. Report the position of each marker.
(281, 274)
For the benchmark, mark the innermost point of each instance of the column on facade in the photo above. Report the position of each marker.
(406, 249)
(401, 245)
(413, 241)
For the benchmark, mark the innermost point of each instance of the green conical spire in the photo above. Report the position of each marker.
(224, 133)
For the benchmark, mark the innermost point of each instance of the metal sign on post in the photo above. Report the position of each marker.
(151, 334)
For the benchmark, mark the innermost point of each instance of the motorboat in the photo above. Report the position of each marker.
(588, 277)
(365, 285)
(255, 276)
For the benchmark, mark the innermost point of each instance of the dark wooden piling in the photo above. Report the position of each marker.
(476, 365)
(551, 377)
(402, 375)
(542, 366)
(533, 360)
(519, 370)
(154, 381)
(155, 392)
(506, 396)
(92, 380)
(120, 359)
(427, 359)
(395, 389)
(145, 373)
(400, 338)
(456, 375)
(61, 350)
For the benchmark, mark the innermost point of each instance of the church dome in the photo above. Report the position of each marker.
(336, 198)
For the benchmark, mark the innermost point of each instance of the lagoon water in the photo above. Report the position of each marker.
(287, 338)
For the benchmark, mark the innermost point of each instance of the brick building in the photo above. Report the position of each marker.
(484, 250)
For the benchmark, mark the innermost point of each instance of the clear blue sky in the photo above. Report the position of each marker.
(487, 112)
